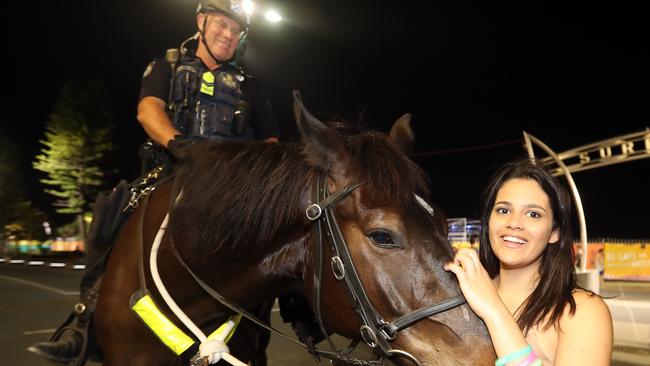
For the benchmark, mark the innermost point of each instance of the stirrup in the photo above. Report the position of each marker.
(78, 312)
(82, 312)
(65, 326)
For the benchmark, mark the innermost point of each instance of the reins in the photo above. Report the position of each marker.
(375, 331)
(338, 356)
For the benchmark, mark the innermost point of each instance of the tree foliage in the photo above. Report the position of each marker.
(10, 180)
(27, 220)
(77, 140)
(17, 214)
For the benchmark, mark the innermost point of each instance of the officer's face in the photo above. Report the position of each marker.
(221, 34)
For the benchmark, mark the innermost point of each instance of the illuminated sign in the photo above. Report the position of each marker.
(627, 261)
(607, 152)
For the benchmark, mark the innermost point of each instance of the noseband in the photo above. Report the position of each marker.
(375, 331)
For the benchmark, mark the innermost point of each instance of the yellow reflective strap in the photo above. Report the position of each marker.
(236, 319)
(207, 83)
(169, 334)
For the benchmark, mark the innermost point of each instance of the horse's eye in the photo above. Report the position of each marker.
(383, 239)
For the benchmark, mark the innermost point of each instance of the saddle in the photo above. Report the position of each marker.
(110, 211)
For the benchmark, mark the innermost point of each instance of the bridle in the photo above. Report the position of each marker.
(375, 331)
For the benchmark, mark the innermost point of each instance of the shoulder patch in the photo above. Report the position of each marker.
(147, 71)
(228, 80)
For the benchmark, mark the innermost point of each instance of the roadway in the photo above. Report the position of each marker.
(35, 299)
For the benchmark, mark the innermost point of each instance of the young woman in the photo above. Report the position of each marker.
(524, 284)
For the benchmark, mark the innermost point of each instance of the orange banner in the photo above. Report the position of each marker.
(593, 248)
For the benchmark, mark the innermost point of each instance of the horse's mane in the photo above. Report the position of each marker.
(240, 196)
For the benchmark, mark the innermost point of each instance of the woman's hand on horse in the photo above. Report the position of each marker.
(476, 284)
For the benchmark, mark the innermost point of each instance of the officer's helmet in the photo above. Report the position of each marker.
(232, 8)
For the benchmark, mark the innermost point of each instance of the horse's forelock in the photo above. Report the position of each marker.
(392, 178)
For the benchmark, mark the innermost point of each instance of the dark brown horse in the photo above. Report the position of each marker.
(240, 225)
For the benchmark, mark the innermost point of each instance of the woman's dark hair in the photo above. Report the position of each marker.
(557, 277)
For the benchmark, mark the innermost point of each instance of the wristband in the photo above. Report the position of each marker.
(513, 356)
(529, 361)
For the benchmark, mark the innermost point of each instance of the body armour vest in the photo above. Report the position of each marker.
(208, 103)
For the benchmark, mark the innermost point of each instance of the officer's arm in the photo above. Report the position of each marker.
(154, 120)
(272, 140)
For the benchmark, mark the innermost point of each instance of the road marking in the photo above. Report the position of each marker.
(39, 331)
(44, 287)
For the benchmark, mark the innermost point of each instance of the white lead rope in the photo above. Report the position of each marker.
(214, 349)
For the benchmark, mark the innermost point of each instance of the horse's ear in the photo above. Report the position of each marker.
(401, 134)
(323, 146)
(307, 123)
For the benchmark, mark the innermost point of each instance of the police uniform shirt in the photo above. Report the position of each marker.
(156, 83)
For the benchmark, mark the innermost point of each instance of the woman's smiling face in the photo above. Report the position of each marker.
(521, 223)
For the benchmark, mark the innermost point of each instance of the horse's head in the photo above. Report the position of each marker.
(397, 247)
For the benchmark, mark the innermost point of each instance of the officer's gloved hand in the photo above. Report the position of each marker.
(179, 143)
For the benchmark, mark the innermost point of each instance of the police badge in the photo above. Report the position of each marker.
(227, 79)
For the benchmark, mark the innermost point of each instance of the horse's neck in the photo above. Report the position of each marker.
(246, 280)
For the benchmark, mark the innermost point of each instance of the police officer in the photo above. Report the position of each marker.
(210, 98)
(194, 92)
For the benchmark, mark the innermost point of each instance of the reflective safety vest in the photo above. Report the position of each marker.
(168, 333)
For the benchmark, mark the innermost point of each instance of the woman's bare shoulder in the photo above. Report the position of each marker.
(589, 306)
(587, 333)
(588, 299)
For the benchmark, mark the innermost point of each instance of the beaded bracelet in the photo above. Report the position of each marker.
(513, 356)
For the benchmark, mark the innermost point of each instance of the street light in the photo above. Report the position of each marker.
(248, 6)
(273, 16)
(270, 14)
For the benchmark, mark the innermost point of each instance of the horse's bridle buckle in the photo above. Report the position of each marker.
(314, 212)
(338, 268)
(386, 332)
(368, 336)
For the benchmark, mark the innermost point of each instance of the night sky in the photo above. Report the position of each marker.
(472, 73)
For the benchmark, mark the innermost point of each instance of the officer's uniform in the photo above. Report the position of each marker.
(225, 104)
